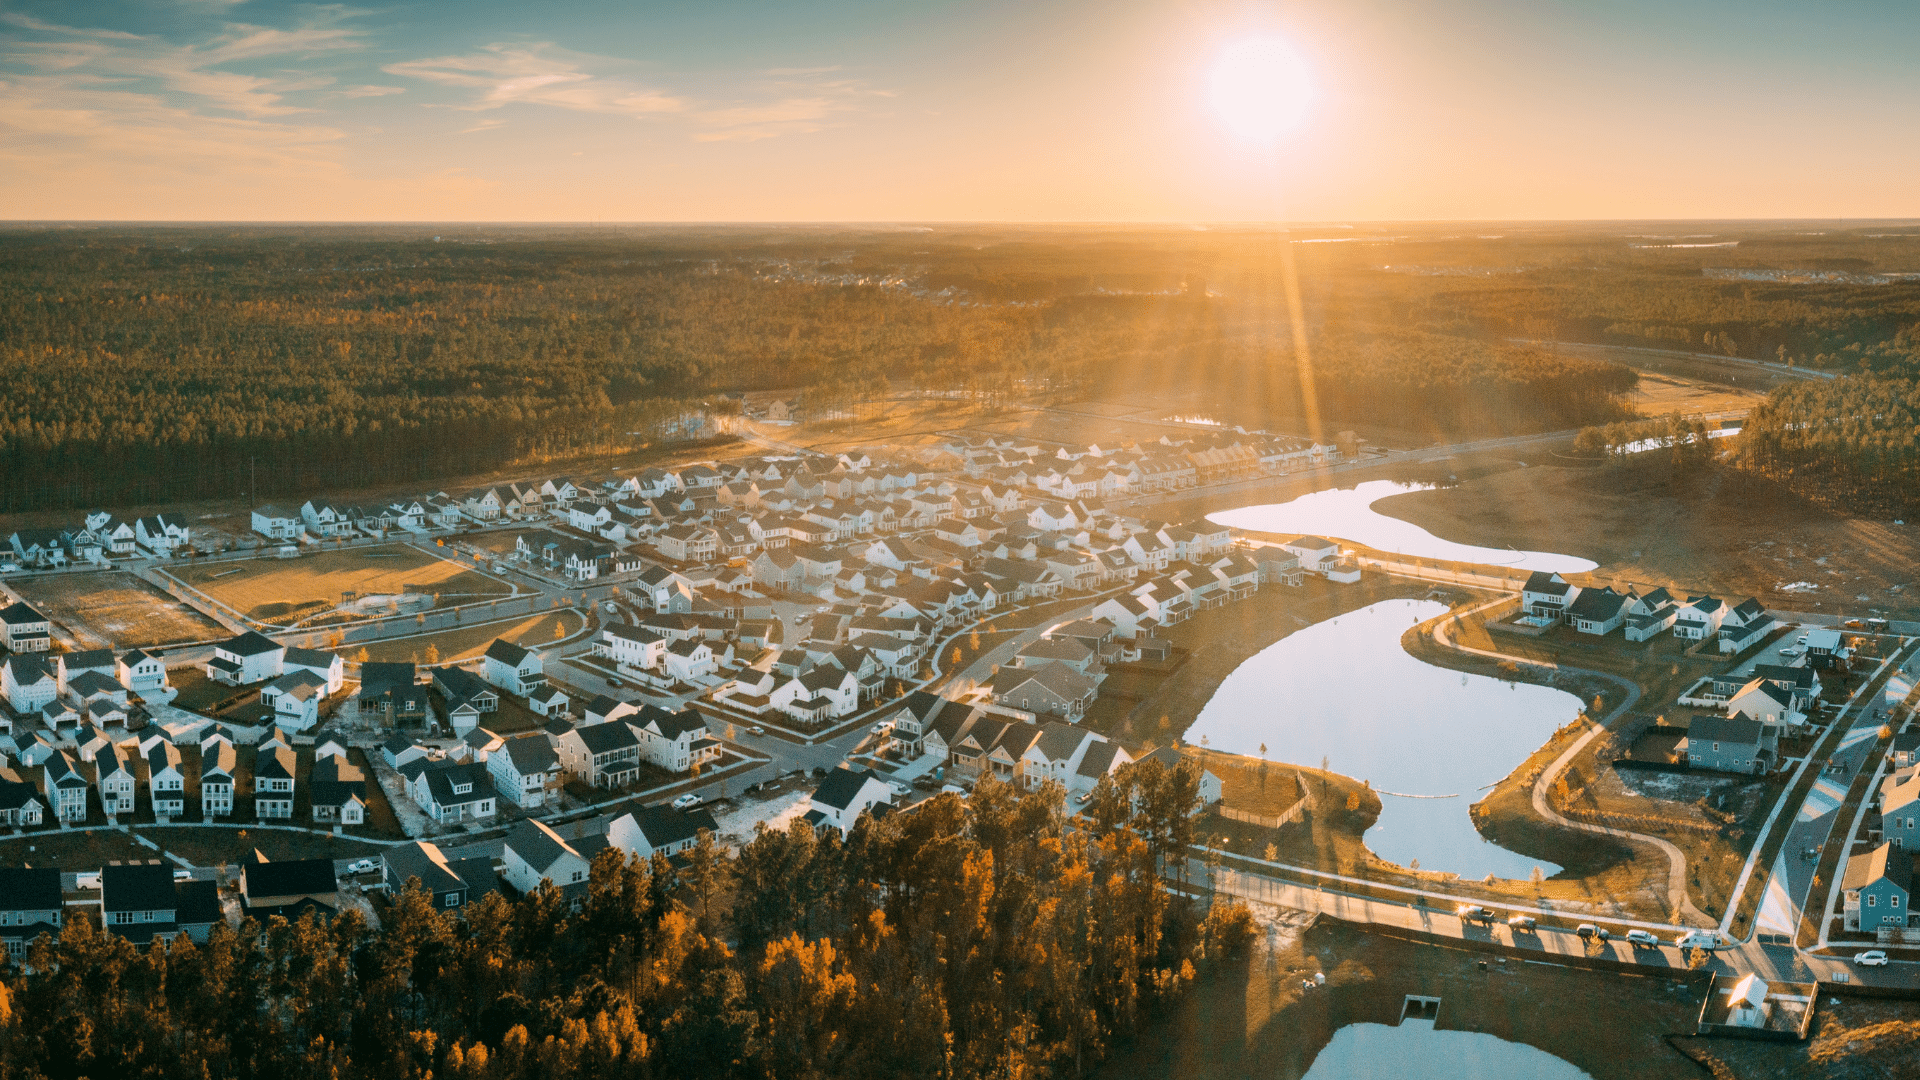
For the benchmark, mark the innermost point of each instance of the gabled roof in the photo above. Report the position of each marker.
(1600, 605)
(507, 652)
(139, 887)
(1738, 728)
(1884, 862)
(25, 888)
(664, 826)
(530, 754)
(424, 861)
(606, 738)
(290, 878)
(1312, 543)
(17, 613)
(1097, 760)
(251, 643)
(1540, 581)
(842, 785)
(538, 846)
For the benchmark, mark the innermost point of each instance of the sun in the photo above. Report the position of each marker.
(1260, 88)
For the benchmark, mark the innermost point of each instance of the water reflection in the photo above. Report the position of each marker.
(1345, 690)
(1415, 1049)
(1347, 513)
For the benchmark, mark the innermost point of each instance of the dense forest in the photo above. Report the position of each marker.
(981, 938)
(1852, 443)
(161, 363)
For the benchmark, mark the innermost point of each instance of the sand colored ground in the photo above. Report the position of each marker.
(276, 589)
(115, 609)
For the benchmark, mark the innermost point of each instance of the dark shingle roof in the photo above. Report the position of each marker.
(141, 887)
(289, 878)
(24, 888)
(251, 643)
(841, 785)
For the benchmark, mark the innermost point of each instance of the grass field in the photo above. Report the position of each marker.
(470, 641)
(115, 609)
(277, 590)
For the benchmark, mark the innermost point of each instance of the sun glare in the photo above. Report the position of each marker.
(1260, 89)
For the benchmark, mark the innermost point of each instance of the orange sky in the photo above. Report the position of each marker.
(871, 111)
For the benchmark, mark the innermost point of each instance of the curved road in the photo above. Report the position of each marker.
(1677, 898)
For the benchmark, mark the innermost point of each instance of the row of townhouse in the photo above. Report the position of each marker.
(65, 690)
(1548, 599)
(53, 782)
(618, 737)
(1171, 463)
(536, 855)
(101, 538)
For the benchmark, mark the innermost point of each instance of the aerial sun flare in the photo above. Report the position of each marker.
(1260, 88)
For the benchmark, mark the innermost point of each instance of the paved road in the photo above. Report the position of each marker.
(1771, 962)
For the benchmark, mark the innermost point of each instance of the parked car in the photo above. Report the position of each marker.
(686, 802)
(1642, 939)
(89, 880)
(881, 728)
(364, 866)
(899, 788)
(612, 608)
(1522, 922)
(1699, 939)
(1474, 913)
(1083, 797)
(1589, 931)
(183, 874)
(757, 729)
(1871, 958)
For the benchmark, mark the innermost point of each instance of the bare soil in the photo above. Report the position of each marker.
(1717, 530)
(114, 609)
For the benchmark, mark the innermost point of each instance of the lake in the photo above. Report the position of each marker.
(1348, 514)
(1416, 1049)
(1345, 690)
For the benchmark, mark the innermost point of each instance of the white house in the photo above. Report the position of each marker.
(1598, 611)
(114, 767)
(658, 830)
(30, 682)
(294, 699)
(328, 667)
(1745, 624)
(1700, 618)
(26, 629)
(689, 660)
(822, 692)
(274, 523)
(632, 646)
(843, 796)
(513, 669)
(218, 763)
(141, 672)
(166, 780)
(250, 658)
(1314, 552)
(524, 770)
(674, 741)
(1547, 596)
(534, 853)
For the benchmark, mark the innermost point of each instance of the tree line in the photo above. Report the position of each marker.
(966, 938)
(1851, 442)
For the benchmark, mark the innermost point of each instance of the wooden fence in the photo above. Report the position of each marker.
(1269, 821)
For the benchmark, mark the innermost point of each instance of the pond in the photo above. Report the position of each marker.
(1348, 514)
(1429, 739)
(1415, 1048)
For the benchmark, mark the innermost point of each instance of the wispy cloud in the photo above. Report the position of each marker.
(541, 74)
(371, 91)
(772, 103)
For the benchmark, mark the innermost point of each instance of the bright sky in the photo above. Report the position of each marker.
(888, 110)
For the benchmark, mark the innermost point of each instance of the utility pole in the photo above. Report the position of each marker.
(253, 477)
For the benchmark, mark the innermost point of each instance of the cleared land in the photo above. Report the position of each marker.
(1716, 530)
(469, 641)
(115, 609)
(292, 590)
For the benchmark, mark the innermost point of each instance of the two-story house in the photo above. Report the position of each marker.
(166, 779)
(534, 853)
(601, 755)
(513, 669)
(453, 792)
(250, 658)
(274, 767)
(526, 771)
(1878, 889)
(676, 742)
(26, 630)
(218, 764)
(141, 672)
(30, 905)
(843, 796)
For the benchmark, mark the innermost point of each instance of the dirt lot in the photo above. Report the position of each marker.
(1716, 530)
(286, 590)
(470, 641)
(114, 609)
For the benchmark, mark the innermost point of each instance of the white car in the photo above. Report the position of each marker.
(89, 880)
(757, 729)
(686, 802)
(899, 788)
(1522, 922)
(183, 874)
(364, 866)
(1872, 958)
(1640, 938)
(1698, 939)
(881, 729)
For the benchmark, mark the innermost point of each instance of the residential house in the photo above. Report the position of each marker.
(30, 682)
(113, 768)
(450, 884)
(274, 768)
(138, 902)
(466, 696)
(166, 779)
(289, 889)
(633, 646)
(1766, 701)
(1650, 614)
(452, 792)
(389, 692)
(327, 667)
(337, 789)
(843, 796)
(141, 672)
(1547, 596)
(250, 658)
(1054, 689)
(1700, 618)
(1878, 889)
(30, 905)
(534, 853)
(1900, 809)
(275, 523)
(1826, 648)
(601, 755)
(659, 830)
(1734, 743)
(821, 692)
(526, 771)
(689, 660)
(1598, 611)
(294, 699)
(20, 803)
(1315, 553)
(551, 702)
(513, 669)
(218, 763)
(676, 742)
(1209, 790)
(1744, 625)
(27, 630)
(65, 787)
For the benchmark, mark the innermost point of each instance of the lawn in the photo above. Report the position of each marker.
(114, 609)
(465, 642)
(368, 581)
(213, 847)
